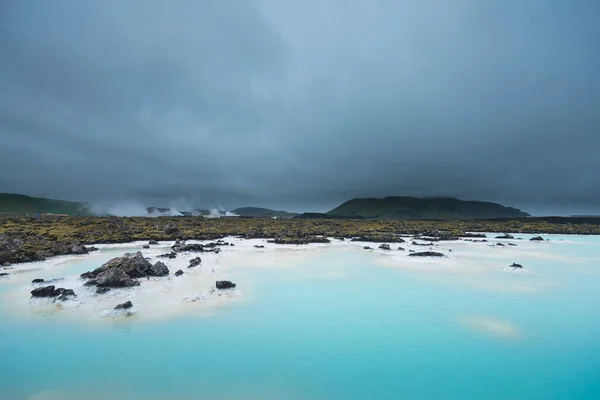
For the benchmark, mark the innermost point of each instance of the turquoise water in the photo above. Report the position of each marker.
(359, 331)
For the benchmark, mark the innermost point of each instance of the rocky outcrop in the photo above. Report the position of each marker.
(124, 306)
(113, 278)
(122, 271)
(401, 248)
(515, 265)
(102, 290)
(179, 272)
(146, 246)
(500, 244)
(18, 248)
(426, 254)
(385, 246)
(378, 238)
(78, 248)
(537, 239)
(259, 246)
(159, 269)
(505, 236)
(194, 262)
(152, 241)
(46, 291)
(368, 248)
(225, 285)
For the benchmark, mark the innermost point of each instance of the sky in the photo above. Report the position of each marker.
(301, 105)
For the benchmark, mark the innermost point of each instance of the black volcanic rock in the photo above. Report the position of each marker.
(225, 285)
(515, 265)
(385, 246)
(537, 239)
(505, 236)
(178, 272)
(102, 290)
(195, 262)
(427, 254)
(46, 291)
(114, 278)
(152, 241)
(124, 306)
(37, 280)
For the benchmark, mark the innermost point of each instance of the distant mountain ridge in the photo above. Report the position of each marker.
(398, 207)
(11, 203)
(259, 212)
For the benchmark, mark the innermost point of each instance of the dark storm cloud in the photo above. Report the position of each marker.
(301, 105)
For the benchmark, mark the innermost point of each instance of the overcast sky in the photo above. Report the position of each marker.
(301, 105)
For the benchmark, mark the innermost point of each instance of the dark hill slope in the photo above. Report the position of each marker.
(11, 203)
(395, 207)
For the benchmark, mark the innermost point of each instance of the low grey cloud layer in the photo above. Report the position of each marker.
(301, 105)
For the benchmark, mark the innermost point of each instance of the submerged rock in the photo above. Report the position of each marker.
(170, 255)
(225, 285)
(179, 272)
(385, 246)
(512, 244)
(368, 248)
(4, 274)
(401, 248)
(194, 262)
(505, 236)
(152, 241)
(500, 244)
(102, 290)
(259, 246)
(537, 239)
(146, 246)
(515, 265)
(422, 244)
(124, 306)
(46, 291)
(427, 254)
(65, 294)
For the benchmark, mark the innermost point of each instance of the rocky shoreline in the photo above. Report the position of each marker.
(24, 239)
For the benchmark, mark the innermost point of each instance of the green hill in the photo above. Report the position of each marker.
(20, 204)
(395, 207)
(258, 212)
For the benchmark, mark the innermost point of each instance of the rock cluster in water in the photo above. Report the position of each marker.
(52, 291)
(124, 271)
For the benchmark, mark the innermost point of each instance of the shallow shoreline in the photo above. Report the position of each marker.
(194, 292)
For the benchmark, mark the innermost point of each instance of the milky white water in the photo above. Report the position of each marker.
(323, 321)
